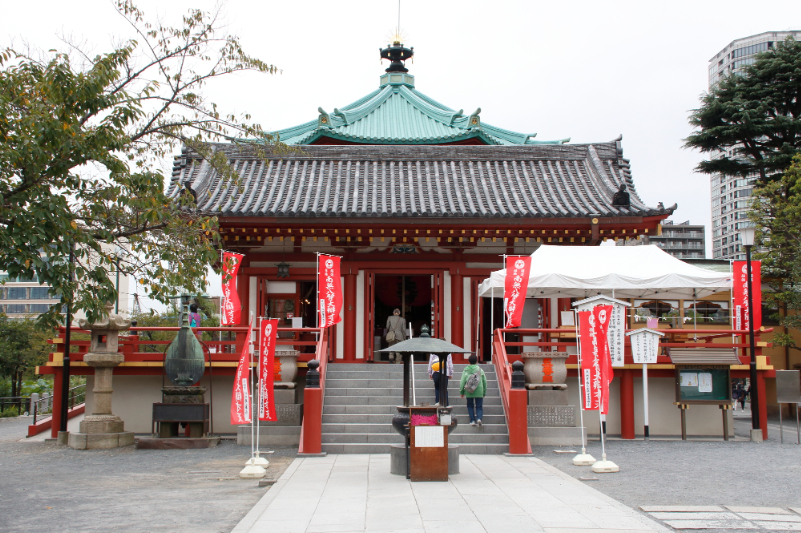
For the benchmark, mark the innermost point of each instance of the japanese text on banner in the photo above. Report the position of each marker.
(240, 397)
(740, 294)
(267, 337)
(329, 289)
(231, 307)
(596, 365)
(515, 286)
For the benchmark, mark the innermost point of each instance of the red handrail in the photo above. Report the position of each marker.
(503, 369)
(312, 424)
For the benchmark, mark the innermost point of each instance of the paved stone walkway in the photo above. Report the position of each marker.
(715, 517)
(350, 493)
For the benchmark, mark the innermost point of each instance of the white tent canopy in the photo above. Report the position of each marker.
(622, 271)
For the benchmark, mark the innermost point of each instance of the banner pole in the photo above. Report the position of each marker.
(645, 400)
(583, 458)
(252, 391)
(258, 383)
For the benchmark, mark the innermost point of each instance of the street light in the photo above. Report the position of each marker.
(747, 234)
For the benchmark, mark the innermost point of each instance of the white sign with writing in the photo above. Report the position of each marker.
(616, 334)
(429, 436)
(644, 346)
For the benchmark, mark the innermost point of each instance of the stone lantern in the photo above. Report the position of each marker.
(103, 429)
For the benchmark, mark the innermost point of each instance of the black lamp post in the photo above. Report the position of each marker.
(747, 237)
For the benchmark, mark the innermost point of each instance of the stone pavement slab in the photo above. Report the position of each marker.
(764, 510)
(493, 493)
(680, 508)
(711, 524)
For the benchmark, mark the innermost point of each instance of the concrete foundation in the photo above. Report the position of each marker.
(555, 436)
(100, 441)
(270, 435)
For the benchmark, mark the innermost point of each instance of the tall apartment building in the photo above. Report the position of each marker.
(21, 298)
(731, 196)
(684, 240)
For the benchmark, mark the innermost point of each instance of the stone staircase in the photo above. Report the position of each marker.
(360, 402)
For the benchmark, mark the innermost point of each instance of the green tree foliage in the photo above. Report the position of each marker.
(751, 123)
(170, 318)
(22, 347)
(776, 212)
(82, 157)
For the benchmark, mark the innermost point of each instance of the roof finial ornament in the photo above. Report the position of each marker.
(395, 51)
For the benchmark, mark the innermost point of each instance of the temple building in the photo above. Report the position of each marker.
(420, 200)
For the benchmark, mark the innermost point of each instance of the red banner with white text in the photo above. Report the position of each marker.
(329, 291)
(741, 315)
(267, 335)
(514, 294)
(231, 307)
(240, 398)
(596, 362)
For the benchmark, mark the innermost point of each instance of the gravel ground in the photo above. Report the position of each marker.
(670, 472)
(47, 487)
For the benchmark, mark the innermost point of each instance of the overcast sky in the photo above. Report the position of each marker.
(587, 70)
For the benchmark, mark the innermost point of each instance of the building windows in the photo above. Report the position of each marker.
(40, 293)
(753, 49)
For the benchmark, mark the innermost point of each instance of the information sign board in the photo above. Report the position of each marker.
(701, 384)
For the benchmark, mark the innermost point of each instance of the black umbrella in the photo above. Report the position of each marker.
(424, 344)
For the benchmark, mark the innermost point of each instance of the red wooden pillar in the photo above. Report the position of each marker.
(627, 404)
(312, 420)
(457, 310)
(56, 418)
(349, 342)
(517, 421)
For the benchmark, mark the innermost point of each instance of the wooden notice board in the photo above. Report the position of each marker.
(429, 453)
(703, 384)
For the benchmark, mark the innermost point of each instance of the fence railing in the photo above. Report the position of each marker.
(42, 408)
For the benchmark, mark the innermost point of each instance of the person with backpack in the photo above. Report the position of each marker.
(474, 386)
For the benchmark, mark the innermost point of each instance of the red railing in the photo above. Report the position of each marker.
(312, 426)
(553, 337)
(514, 400)
(223, 353)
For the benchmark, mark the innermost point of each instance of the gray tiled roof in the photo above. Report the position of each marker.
(568, 181)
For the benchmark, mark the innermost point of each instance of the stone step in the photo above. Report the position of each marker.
(467, 448)
(393, 372)
(459, 409)
(474, 437)
(385, 427)
(396, 392)
(386, 418)
(396, 400)
(343, 382)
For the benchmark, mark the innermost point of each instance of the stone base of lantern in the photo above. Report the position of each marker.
(100, 441)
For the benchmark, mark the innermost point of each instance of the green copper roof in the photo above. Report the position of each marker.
(399, 114)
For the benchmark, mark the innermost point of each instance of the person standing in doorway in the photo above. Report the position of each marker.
(396, 332)
(440, 388)
(474, 386)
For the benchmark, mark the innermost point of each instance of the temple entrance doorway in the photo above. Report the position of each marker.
(413, 295)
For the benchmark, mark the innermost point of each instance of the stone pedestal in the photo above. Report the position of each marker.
(286, 430)
(102, 429)
(551, 421)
